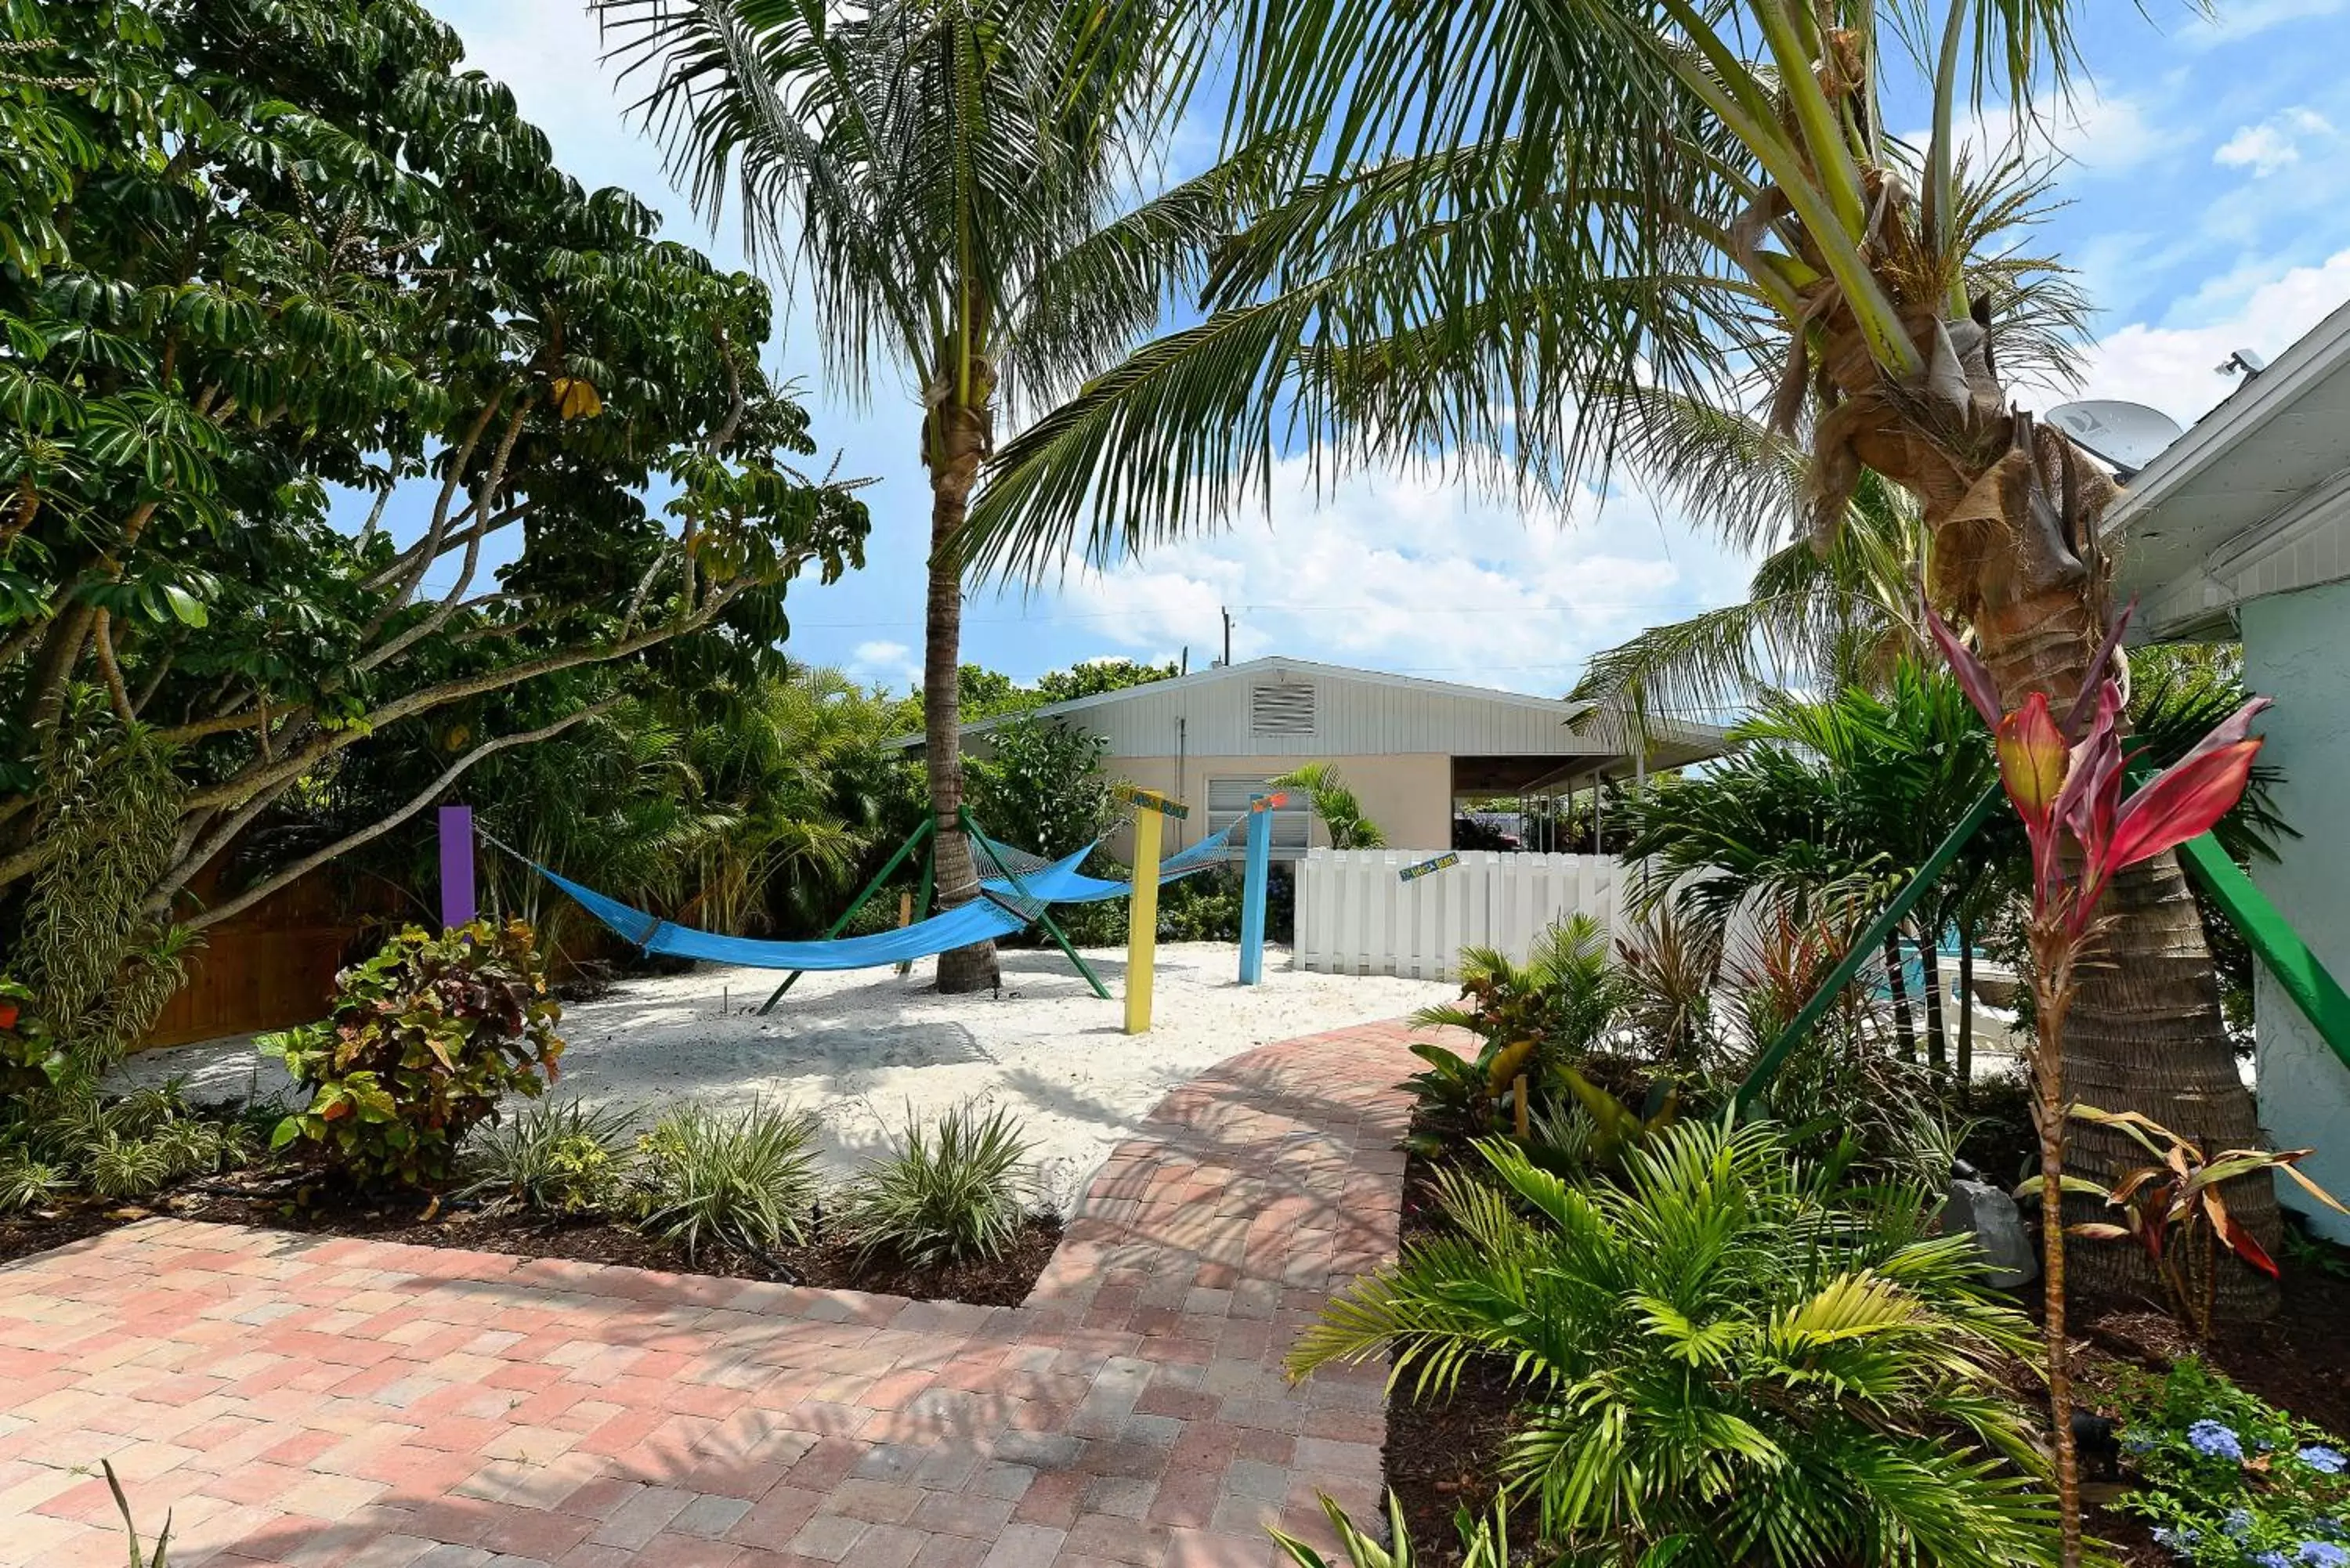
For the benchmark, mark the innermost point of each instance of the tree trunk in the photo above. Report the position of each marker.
(2013, 509)
(1966, 1062)
(1899, 984)
(958, 438)
(1938, 1040)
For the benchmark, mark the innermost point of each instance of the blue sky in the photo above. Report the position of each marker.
(2207, 207)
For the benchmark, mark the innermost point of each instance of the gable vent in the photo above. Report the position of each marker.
(1281, 707)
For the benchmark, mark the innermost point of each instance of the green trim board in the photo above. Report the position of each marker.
(2290, 962)
(1865, 947)
(2288, 959)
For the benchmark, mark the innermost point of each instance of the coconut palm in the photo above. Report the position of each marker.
(1529, 223)
(951, 179)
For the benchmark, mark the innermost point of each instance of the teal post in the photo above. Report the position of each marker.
(1257, 875)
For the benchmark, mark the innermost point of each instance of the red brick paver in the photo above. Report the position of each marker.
(307, 1402)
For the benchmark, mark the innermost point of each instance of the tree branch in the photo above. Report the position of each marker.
(449, 601)
(424, 797)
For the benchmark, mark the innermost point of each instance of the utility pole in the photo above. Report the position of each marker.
(1228, 636)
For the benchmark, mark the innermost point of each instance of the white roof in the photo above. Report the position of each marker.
(2254, 499)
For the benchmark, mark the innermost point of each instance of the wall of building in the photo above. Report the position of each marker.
(2294, 650)
(1410, 796)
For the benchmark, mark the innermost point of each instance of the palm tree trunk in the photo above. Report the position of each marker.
(2013, 509)
(1938, 1041)
(958, 440)
(1899, 985)
(1966, 1053)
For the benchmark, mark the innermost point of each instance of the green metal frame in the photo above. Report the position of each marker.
(2290, 962)
(923, 899)
(2297, 970)
(929, 825)
(1044, 916)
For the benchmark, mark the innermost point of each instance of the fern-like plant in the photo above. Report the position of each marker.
(1729, 1358)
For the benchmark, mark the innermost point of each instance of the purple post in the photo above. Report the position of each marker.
(456, 865)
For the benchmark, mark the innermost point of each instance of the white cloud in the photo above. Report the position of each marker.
(2273, 144)
(1413, 573)
(2095, 134)
(2171, 367)
(889, 664)
(2244, 18)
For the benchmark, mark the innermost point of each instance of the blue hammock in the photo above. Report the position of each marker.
(1060, 882)
(982, 919)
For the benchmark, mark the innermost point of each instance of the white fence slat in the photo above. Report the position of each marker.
(1356, 914)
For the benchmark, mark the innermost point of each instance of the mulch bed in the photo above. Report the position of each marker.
(1004, 1280)
(1442, 1455)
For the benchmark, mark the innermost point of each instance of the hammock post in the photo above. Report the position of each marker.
(1142, 911)
(1256, 874)
(879, 878)
(457, 906)
(1044, 914)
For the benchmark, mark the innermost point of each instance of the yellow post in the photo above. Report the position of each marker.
(1142, 923)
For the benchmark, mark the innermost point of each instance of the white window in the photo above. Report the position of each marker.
(1282, 708)
(1228, 801)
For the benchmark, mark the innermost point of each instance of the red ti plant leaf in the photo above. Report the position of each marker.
(2032, 759)
(2240, 1241)
(2183, 802)
(1974, 676)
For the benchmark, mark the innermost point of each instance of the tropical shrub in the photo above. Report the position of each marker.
(941, 1195)
(2228, 1481)
(567, 1159)
(1340, 810)
(742, 1179)
(1532, 1019)
(426, 1038)
(1731, 1354)
(1043, 789)
(126, 1148)
(2172, 1209)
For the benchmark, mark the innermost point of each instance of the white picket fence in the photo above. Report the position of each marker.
(1356, 914)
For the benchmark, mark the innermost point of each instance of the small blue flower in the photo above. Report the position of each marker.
(2214, 1441)
(2272, 1559)
(2181, 1541)
(2239, 1524)
(2141, 1442)
(2322, 1554)
(2324, 1461)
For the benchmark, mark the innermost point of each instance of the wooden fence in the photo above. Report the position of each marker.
(1356, 915)
(271, 966)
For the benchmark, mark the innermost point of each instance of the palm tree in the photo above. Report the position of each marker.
(1331, 799)
(1530, 222)
(951, 179)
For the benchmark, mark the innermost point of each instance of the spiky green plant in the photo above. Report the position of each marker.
(957, 1190)
(742, 1179)
(1484, 1542)
(566, 1159)
(1730, 1357)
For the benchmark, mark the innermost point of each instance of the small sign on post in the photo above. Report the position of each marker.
(1428, 868)
(1151, 800)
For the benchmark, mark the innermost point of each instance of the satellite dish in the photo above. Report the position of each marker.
(2127, 435)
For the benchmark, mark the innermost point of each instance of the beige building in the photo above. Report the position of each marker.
(1414, 751)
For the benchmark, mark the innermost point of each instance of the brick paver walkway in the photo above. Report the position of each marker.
(306, 1402)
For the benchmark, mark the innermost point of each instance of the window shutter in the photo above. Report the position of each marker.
(1228, 799)
(1281, 707)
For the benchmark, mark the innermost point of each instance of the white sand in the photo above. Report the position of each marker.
(859, 1048)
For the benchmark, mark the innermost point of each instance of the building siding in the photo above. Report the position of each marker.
(1410, 797)
(1353, 718)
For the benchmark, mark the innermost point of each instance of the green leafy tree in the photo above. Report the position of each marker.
(1095, 676)
(1043, 789)
(1528, 228)
(265, 252)
(953, 179)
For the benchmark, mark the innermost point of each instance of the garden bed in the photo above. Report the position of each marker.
(1445, 1454)
(1003, 1281)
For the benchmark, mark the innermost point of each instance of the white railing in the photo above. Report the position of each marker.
(1356, 914)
